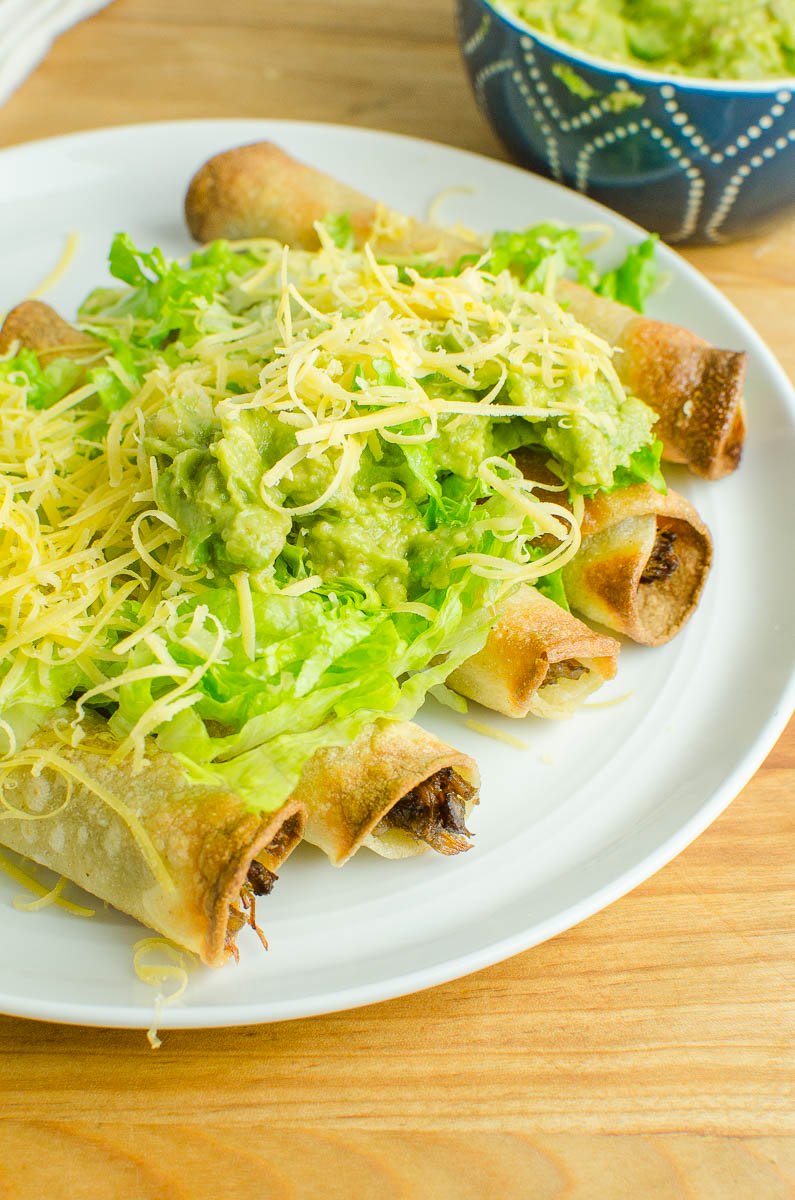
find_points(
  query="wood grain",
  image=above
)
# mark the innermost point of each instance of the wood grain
(150, 1163)
(648, 1053)
(352, 62)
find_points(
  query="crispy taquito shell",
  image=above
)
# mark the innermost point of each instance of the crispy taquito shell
(260, 191)
(538, 659)
(39, 327)
(349, 790)
(604, 581)
(205, 840)
(695, 389)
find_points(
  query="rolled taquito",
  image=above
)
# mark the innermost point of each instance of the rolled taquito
(396, 789)
(37, 326)
(183, 858)
(642, 563)
(538, 659)
(695, 389)
(260, 191)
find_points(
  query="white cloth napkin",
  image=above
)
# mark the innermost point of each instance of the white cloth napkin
(27, 30)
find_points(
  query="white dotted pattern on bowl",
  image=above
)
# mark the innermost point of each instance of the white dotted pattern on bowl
(682, 141)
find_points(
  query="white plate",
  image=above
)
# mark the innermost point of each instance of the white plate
(593, 806)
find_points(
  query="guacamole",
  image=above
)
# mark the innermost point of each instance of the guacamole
(714, 39)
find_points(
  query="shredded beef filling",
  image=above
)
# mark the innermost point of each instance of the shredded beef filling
(258, 882)
(261, 879)
(662, 560)
(567, 668)
(435, 812)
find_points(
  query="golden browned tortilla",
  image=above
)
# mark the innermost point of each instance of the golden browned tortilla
(538, 659)
(173, 854)
(353, 794)
(260, 191)
(37, 326)
(187, 860)
(642, 564)
(695, 389)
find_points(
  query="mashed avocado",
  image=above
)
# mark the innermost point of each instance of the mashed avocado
(716, 39)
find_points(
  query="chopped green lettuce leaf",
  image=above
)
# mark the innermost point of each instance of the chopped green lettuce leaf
(543, 249)
(553, 588)
(168, 296)
(643, 467)
(340, 230)
(45, 385)
(635, 279)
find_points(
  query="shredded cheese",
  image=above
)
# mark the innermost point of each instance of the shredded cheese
(609, 703)
(43, 901)
(246, 603)
(492, 321)
(46, 895)
(498, 735)
(173, 967)
(60, 269)
(436, 205)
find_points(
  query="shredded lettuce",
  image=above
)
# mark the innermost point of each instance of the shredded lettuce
(340, 230)
(547, 249)
(553, 588)
(46, 384)
(535, 254)
(382, 373)
(635, 279)
(643, 467)
(324, 670)
(539, 251)
(168, 297)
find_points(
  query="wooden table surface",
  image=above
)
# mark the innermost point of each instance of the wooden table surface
(647, 1053)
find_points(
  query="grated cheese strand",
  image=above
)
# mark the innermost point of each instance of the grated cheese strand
(497, 735)
(173, 966)
(60, 269)
(27, 881)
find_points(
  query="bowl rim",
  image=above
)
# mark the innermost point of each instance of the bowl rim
(693, 82)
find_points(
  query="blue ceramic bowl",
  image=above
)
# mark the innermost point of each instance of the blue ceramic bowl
(697, 160)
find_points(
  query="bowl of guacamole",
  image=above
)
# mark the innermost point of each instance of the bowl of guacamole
(710, 39)
(678, 113)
